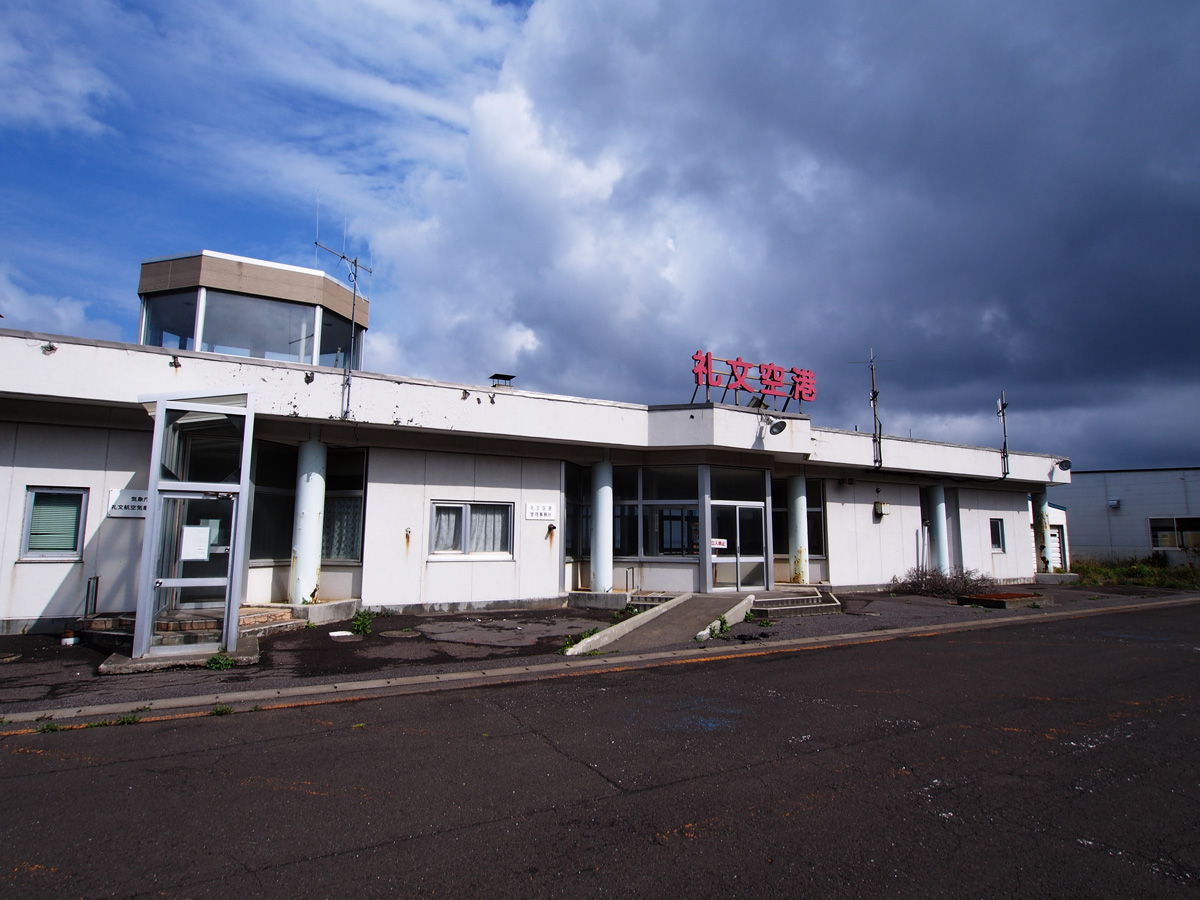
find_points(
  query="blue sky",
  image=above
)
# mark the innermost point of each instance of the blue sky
(990, 196)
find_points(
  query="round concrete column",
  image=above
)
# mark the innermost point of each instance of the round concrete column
(1041, 530)
(602, 526)
(797, 495)
(309, 523)
(937, 529)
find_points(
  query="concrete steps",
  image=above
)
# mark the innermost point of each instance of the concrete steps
(192, 626)
(796, 601)
(643, 602)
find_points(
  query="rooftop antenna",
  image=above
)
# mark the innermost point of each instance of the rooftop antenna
(877, 433)
(1001, 406)
(350, 359)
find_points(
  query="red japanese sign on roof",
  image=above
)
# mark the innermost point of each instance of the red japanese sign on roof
(762, 379)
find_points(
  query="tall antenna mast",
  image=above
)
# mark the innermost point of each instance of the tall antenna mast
(1001, 406)
(877, 431)
(348, 361)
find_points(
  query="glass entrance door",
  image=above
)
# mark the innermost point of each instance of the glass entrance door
(194, 550)
(739, 547)
(195, 564)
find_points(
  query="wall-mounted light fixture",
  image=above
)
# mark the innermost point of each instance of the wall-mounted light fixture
(1114, 504)
(175, 363)
(466, 394)
(776, 426)
(1064, 464)
(308, 377)
(49, 347)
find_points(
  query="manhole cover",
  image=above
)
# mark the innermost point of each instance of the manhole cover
(407, 633)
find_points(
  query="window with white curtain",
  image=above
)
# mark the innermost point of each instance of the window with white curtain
(345, 480)
(466, 528)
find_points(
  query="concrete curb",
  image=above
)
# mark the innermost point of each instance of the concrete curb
(732, 617)
(337, 692)
(612, 632)
(325, 611)
(246, 654)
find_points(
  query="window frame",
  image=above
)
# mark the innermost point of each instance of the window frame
(75, 554)
(814, 492)
(996, 528)
(1183, 538)
(360, 494)
(464, 551)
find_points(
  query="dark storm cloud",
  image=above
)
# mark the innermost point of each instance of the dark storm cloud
(992, 197)
(989, 196)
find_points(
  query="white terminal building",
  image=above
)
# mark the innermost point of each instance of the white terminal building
(239, 456)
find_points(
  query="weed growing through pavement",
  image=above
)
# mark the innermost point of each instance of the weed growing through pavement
(361, 623)
(127, 719)
(719, 628)
(1035, 605)
(625, 613)
(760, 621)
(220, 662)
(310, 624)
(221, 709)
(573, 639)
(48, 727)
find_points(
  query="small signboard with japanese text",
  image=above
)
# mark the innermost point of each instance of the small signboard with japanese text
(544, 511)
(718, 543)
(128, 504)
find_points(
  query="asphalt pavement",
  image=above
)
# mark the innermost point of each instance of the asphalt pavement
(1049, 757)
(406, 654)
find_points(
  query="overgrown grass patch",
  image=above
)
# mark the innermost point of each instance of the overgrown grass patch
(1148, 571)
(573, 639)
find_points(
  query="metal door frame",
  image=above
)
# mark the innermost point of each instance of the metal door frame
(234, 403)
(711, 559)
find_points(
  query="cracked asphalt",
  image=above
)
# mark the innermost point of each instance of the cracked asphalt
(48, 676)
(1050, 758)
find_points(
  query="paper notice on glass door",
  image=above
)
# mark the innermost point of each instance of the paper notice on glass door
(194, 545)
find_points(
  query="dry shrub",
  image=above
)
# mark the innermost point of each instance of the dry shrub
(936, 583)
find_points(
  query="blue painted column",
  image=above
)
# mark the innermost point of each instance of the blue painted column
(797, 495)
(602, 526)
